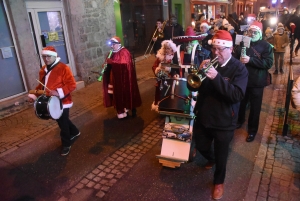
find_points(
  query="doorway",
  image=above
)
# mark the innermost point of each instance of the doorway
(48, 24)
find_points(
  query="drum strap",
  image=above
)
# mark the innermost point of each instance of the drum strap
(48, 71)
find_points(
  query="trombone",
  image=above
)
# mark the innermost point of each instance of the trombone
(157, 34)
(194, 80)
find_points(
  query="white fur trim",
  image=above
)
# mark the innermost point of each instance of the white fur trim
(170, 44)
(48, 52)
(255, 27)
(122, 115)
(110, 89)
(68, 105)
(224, 43)
(115, 40)
(60, 92)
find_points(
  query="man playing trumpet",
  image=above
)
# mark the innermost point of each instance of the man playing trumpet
(217, 107)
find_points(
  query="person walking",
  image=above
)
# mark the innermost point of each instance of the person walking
(58, 78)
(173, 29)
(120, 88)
(281, 40)
(258, 60)
(295, 21)
(217, 107)
(158, 38)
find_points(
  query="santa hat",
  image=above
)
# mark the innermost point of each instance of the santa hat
(115, 39)
(169, 43)
(204, 24)
(190, 31)
(50, 50)
(256, 25)
(222, 38)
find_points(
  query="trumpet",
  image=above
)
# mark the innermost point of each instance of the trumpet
(194, 80)
(159, 33)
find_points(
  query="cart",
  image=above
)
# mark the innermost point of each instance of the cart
(177, 105)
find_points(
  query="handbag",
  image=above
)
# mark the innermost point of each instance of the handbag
(269, 76)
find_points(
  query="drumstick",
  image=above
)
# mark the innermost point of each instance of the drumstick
(40, 92)
(43, 85)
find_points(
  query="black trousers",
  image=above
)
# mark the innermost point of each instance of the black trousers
(254, 96)
(219, 152)
(67, 128)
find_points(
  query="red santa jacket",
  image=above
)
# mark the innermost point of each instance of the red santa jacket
(61, 79)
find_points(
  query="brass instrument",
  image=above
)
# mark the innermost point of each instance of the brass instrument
(157, 34)
(194, 80)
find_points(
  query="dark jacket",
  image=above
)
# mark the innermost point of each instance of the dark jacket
(219, 99)
(296, 20)
(258, 67)
(172, 31)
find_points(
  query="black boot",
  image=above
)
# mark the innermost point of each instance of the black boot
(250, 137)
(133, 112)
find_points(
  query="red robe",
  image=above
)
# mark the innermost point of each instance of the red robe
(122, 75)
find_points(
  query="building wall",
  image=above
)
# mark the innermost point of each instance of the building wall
(91, 24)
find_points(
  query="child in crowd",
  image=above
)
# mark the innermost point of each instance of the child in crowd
(269, 36)
(281, 40)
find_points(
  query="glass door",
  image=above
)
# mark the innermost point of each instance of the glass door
(48, 27)
(11, 77)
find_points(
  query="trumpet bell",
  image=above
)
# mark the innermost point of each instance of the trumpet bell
(193, 81)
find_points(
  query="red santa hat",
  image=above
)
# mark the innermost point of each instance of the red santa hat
(257, 25)
(190, 31)
(50, 50)
(115, 39)
(222, 38)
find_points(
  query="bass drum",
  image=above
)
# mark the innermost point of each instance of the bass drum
(174, 96)
(48, 107)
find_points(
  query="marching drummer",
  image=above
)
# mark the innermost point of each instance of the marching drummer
(57, 80)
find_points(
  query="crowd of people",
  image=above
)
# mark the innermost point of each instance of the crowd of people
(238, 82)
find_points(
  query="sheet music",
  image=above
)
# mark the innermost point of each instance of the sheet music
(245, 39)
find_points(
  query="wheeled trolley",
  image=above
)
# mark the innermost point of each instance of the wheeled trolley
(177, 104)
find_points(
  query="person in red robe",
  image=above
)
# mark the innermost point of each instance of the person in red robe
(120, 88)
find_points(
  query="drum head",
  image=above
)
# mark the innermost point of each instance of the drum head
(54, 107)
